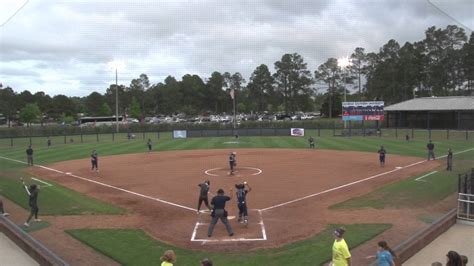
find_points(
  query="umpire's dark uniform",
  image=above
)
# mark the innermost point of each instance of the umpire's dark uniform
(219, 212)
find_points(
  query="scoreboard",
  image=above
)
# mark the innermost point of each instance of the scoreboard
(363, 111)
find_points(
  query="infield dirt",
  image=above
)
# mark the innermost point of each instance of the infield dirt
(285, 175)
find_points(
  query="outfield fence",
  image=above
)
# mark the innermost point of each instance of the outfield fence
(337, 130)
(466, 196)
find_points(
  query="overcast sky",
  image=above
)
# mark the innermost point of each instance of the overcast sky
(63, 47)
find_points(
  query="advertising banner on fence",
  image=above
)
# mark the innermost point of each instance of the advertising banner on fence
(179, 134)
(297, 132)
(362, 111)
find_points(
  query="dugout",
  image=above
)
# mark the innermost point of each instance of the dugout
(453, 112)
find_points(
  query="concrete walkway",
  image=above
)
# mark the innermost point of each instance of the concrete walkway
(459, 238)
(11, 254)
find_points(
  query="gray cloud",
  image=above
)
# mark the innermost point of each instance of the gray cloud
(63, 47)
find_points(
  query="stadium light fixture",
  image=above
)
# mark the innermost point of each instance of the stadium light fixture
(116, 65)
(344, 63)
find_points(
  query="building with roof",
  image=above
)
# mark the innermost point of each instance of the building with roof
(453, 112)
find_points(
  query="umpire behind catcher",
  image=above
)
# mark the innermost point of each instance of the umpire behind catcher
(219, 212)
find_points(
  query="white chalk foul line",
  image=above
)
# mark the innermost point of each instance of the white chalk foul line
(355, 182)
(41, 181)
(105, 185)
(421, 177)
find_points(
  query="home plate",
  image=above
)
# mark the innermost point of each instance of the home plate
(398, 167)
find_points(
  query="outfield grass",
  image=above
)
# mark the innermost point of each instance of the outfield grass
(52, 200)
(63, 152)
(134, 247)
(410, 193)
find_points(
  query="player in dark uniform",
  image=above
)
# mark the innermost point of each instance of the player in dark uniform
(232, 162)
(32, 192)
(450, 160)
(311, 142)
(242, 202)
(149, 143)
(430, 146)
(95, 161)
(29, 155)
(49, 142)
(382, 153)
(203, 195)
(219, 212)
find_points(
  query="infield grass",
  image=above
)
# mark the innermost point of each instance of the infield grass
(134, 247)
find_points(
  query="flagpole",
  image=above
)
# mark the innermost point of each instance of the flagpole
(233, 101)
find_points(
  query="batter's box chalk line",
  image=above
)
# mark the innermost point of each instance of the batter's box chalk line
(239, 239)
(209, 171)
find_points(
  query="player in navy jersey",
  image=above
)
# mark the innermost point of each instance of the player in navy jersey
(242, 191)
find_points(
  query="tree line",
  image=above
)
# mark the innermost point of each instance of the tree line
(441, 64)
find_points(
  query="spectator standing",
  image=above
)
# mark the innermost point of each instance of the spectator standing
(385, 255)
(340, 251)
(168, 258)
(453, 259)
(206, 262)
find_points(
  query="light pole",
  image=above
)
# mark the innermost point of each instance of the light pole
(116, 65)
(116, 101)
(344, 63)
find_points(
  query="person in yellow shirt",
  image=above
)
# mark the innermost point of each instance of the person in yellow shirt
(168, 258)
(340, 251)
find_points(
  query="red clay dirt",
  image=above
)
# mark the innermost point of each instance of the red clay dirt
(285, 175)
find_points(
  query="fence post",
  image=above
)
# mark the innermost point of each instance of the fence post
(81, 137)
(97, 136)
(158, 134)
(113, 136)
(11, 142)
(334, 128)
(363, 128)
